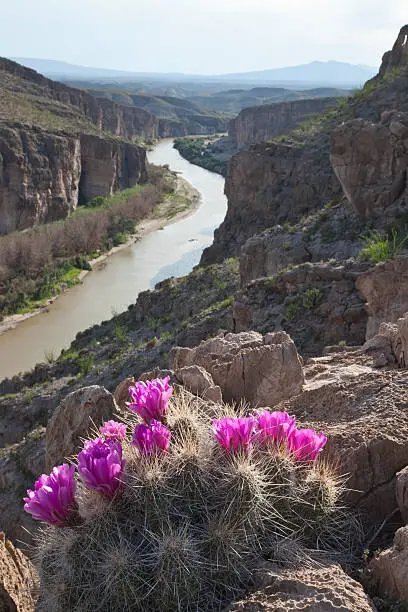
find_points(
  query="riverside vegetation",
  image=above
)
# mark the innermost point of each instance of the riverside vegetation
(37, 264)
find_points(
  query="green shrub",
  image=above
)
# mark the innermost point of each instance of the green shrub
(378, 247)
(312, 298)
(292, 309)
(189, 528)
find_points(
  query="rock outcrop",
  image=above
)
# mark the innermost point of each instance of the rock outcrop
(261, 123)
(77, 414)
(390, 567)
(17, 579)
(370, 161)
(269, 185)
(323, 588)
(397, 58)
(385, 288)
(363, 412)
(247, 366)
(316, 303)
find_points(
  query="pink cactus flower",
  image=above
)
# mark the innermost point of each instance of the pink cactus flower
(100, 466)
(234, 435)
(112, 430)
(151, 399)
(274, 426)
(53, 500)
(153, 439)
(306, 444)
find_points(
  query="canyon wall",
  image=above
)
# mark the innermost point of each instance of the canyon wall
(261, 123)
(121, 121)
(271, 184)
(43, 174)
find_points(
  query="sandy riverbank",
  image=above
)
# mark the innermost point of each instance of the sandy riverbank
(184, 202)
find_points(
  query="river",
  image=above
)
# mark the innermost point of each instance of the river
(173, 251)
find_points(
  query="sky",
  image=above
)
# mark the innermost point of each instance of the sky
(200, 36)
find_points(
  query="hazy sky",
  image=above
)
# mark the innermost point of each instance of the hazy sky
(200, 36)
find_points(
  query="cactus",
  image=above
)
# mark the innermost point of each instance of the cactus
(186, 528)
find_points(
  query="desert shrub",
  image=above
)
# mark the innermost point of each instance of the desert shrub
(184, 522)
(378, 247)
(312, 298)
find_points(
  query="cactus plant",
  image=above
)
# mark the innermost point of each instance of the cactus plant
(189, 523)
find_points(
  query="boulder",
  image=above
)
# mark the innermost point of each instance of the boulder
(401, 492)
(198, 381)
(17, 579)
(313, 589)
(363, 412)
(248, 366)
(385, 290)
(72, 421)
(390, 567)
(121, 394)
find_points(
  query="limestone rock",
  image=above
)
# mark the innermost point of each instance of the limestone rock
(363, 412)
(73, 419)
(17, 578)
(315, 589)
(390, 567)
(370, 161)
(401, 492)
(247, 366)
(199, 382)
(385, 289)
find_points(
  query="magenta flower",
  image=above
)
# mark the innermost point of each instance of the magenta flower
(274, 426)
(100, 466)
(234, 434)
(306, 444)
(151, 399)
(112, 430)
(152, 439)
(53, 500)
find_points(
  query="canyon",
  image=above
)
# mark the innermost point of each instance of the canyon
(290, 307)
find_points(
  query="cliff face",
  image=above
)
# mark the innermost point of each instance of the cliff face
(261, 123)
(108, 166)
(39, 177)
(371, 160)
(42, 175)
(56, 145)
(271, 184)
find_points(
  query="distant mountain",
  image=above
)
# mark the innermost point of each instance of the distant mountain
(331, 73)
